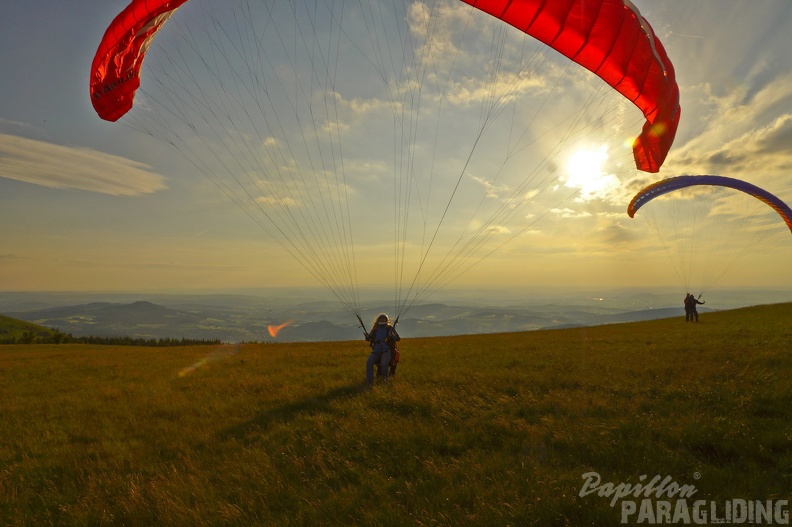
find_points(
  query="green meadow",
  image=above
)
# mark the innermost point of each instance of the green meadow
(474, 430)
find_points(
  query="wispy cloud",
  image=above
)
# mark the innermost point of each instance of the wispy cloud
(441, 32)
(570, 213)
(57, 166)
(492, 189)
(273, 201)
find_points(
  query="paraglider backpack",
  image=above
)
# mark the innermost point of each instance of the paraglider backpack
(394, 349)
(394, 359)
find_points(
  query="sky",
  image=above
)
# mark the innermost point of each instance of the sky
(90, 205)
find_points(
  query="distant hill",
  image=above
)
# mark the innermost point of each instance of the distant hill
(314, 321)
(142, 319)
(13, 330)
(105, 313)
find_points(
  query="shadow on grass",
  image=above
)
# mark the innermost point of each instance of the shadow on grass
(286, 413)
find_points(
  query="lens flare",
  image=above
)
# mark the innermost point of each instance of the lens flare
(223, 352)
(274, 330)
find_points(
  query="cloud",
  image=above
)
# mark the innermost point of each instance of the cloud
(775, 138)
(570, 213)
(454, 37)
(760, 149)
(493, 190)
(56, 166)
(498, 229)
(612, 234)
(270, 141)
(741, 132)
(273, 201)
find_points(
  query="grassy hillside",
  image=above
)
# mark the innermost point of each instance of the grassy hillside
(475, 430)
(13, 330)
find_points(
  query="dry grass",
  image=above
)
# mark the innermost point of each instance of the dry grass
(475, 430)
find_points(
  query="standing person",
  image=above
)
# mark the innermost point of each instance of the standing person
(693, 302)
(382, 338)
(688, 308)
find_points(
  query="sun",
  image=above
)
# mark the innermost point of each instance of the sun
(586, 170)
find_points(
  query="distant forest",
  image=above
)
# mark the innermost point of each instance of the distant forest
(56, 337)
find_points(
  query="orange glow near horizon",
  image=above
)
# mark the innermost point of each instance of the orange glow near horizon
(274, 330)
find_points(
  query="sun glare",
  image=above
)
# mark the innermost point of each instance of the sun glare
(585, 170)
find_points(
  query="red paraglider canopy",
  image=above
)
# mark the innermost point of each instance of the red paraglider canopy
(115, 71)
(608, 37)
(613, 40)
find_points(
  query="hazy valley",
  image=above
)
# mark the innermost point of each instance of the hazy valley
(307, 316)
